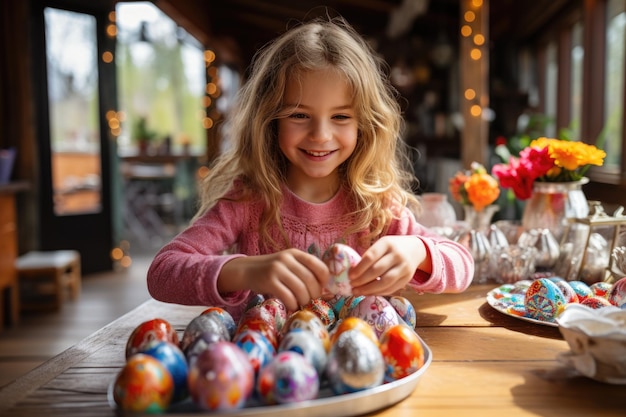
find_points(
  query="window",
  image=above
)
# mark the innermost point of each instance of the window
(614, 84)
(161, 81)
(576, 81)
(72, 60)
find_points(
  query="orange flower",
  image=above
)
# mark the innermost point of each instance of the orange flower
(475, 187)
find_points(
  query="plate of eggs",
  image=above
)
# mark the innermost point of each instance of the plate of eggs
(543, 300)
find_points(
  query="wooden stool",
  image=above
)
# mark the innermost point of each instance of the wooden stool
(44, 277)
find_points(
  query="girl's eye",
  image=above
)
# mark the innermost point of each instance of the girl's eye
(297, 116)
(341, 117)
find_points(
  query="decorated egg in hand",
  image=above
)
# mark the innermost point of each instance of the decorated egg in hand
(288, 378)
(175, 362)
(402, 351)
(340, 258)
(143, 385)
(221, 378)
(149, 333)
(355, 363)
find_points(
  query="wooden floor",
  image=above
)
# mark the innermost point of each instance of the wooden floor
(40, 336)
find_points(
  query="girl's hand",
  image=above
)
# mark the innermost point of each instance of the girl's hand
(388, 265)
(293, 276)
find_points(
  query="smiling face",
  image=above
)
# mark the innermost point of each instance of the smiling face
(317, 132)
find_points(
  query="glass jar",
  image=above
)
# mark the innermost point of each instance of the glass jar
(436, 211)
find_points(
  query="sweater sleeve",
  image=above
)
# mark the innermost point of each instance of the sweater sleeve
(185, 270)
(452, 263)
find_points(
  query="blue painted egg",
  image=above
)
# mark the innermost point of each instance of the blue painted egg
(175, 362)
(256, 346)
(308, 345)
(544, 300)
(405, 309)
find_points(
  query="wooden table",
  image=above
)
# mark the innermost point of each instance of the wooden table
(484, 364)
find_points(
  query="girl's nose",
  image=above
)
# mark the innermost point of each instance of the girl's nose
(321, 131)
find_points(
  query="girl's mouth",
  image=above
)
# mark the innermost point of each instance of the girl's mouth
(317, 153)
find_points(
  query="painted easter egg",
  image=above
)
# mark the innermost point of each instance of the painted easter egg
(601, 289)
(324, 310)
(582, 290)
(200, 343)
(617, 295)
(256, 346)
(544, 300)
(175, 362)
(596, 302)
(143, 385)
(221, 378)
(288, 378)
(355, 363)
(307, 320)
(148, 333)
(340, 258)
(306, 344)
(353, 323)
(224, 316)
(568, 292)
(204, 323)
(267, 329)
(377, 312)
(405, 309)
(348, 305)
(402, 352)
(278, 310)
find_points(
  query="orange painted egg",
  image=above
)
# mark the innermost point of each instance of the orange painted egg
(596, 302)
(353, 323)
(402, 352)
(143, 385)
(601, 289)
(150, 333)
(323, 310)
(307, 320)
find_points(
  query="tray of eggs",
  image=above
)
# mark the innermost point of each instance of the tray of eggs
(544, 299)
(342, 356)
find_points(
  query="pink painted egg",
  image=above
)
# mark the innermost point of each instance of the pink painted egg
(402, 351)
(288, 378)
(617, 296)
(340, 258)
(568, 292)
(306, 344)
(278, 310)
(221, 378)
(143, 385)
(544, 300)
(256, 346)
(307, 320)
(405, 309)
(377, 312)
(148, 333)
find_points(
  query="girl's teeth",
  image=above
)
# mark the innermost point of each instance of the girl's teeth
(317, 153)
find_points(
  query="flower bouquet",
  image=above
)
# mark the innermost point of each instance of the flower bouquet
(547, 160)
(474, 187)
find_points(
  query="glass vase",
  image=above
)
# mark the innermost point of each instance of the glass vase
(479, 220)
(436, 210)
(552, 203)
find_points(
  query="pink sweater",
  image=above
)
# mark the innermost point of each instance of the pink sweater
(185, 270)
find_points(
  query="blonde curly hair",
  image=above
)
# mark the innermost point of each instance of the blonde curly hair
(378, 174)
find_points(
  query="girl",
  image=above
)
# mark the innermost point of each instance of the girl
(316, 158)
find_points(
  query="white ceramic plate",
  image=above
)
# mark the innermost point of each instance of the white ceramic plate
(502, 304)
(327, 404)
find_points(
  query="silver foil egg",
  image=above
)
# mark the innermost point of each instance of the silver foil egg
(355, 363)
